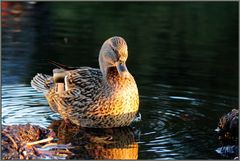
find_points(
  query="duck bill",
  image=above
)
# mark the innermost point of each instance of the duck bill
(122, 69)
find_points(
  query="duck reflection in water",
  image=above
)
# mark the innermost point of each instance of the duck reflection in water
(94, 143)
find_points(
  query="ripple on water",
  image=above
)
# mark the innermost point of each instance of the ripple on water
(171, 122)
(176, 119)
(22, 104)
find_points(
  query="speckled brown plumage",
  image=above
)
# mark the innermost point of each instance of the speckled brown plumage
(90, 97)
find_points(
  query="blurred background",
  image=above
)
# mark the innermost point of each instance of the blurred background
(183, 55)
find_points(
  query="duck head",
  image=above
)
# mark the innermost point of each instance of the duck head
(114, 53)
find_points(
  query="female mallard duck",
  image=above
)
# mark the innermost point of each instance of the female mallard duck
(90, 97)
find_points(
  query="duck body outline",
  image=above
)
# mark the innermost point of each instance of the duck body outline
(90, 97)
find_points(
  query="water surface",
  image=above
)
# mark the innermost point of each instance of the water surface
(184, 57)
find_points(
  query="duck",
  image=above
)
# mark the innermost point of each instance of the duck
(104, 97)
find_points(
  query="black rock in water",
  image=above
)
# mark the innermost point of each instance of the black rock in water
(228, 131)
(228, 125)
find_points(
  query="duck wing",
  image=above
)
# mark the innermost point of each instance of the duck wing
(83, 86)
(85, 78)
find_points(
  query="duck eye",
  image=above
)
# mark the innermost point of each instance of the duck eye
(114, 50)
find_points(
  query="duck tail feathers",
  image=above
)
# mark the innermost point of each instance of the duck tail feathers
(42, 82)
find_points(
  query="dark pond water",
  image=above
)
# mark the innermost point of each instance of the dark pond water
(184, 57)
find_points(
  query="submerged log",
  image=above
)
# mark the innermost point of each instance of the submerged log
(31, 142)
